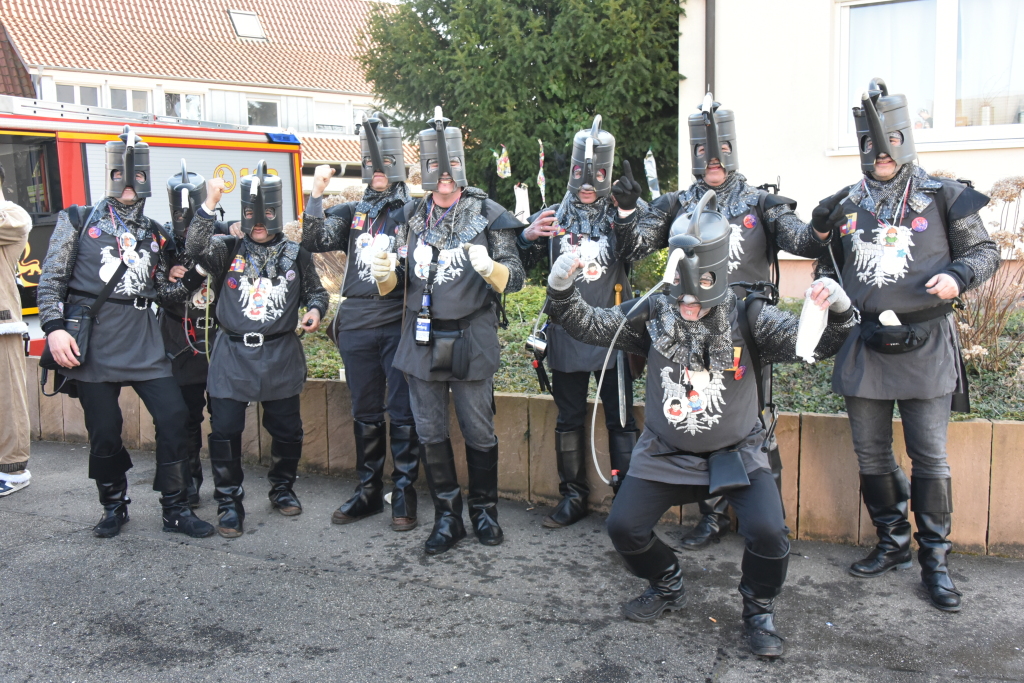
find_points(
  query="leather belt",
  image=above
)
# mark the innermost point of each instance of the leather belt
(140, 303)
(915, 317)
(253, 339)
(201, 323)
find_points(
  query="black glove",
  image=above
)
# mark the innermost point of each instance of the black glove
(626, 190)
(828, 213)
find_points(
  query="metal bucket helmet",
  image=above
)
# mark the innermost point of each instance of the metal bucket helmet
(441, 153)
(699, 254)
(710, 130)
(185, 192)
(261, 200)
(883, 127)
(593, 153)
(381, 147)
(128, 159)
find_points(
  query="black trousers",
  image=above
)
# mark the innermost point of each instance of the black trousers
(195, 400)
(103, 420)
(281, 418)
(569, 389)
(641, 503)
(375, 384)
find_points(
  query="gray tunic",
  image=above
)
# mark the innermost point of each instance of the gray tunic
(125, 344)
(695, 403)
(458, 290)
(259, 298)
(885, 265)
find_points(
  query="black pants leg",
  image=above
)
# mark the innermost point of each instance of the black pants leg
(195, 400)
(108, 458)
(569, 390)
(162, 398)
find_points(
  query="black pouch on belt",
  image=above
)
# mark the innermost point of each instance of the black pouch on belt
(450, 349)
(900, 338)
(726, 472)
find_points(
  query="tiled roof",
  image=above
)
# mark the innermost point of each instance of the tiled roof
(310, 43)
(14, 78)
(343, 150)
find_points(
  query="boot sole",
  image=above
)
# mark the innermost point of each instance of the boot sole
(288, 511)
(172, 530)
(337, 518)
(229, 533)
(896, 567)
(110, 535)
(673, 606)
(441, 551)
(549, 523)
(404, 527)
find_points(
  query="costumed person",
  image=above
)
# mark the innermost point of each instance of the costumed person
(262, 281)
(761, 225)
(187, 316)
(460, 254)
(708, 432)
(91, 248)
(597, 222)
(15, 434)
(368, 326)
(906, 245)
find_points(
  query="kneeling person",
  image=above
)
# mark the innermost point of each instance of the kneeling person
(699, 340)
(264, 278)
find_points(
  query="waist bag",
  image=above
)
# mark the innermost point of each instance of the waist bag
(892, 339)
(451, 346)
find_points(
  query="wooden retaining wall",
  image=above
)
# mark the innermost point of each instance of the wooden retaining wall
(821, 489)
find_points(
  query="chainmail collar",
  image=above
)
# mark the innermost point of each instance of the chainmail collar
(883, 197)
(695, 344)
(373, 201)
(734, 196)
(132, 214)
(464, 222)
(585, 219)
(265, 260)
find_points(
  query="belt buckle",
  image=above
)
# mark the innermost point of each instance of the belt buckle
(145, 303)
(203, 323)
(257, 344)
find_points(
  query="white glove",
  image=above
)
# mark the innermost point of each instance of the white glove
(380, 266)
(563, 273)
(481, 260)
(838, 300)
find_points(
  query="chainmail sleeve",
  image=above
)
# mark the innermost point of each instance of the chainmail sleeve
(204, 247)
(792, 234)
(532, 253)
(163, 286)
(313, 294)
(322, 233)
(504, 251)
(172, 293)
(644, 232)
(594, 326)
(775, 334)
(401, 240)
(971, 246)
(57, 269)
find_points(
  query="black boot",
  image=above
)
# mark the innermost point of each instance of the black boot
(195, 465)
(620, 451)
(760, 584)
(885, 497)
(483, 494)
(109, 474)
(439, 466)
(932, 502)
(714, 523)
(226, 464)
(371, 448)
(284, 463)
(406, 452)
(659, 565)
(172, 482)
(114, 499)
(572, 476)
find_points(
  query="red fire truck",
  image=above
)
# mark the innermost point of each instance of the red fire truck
(52, 154)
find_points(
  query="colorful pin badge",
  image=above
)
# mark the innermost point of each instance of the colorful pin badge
(359, 221)
(740, 371)
(232, 283)
(94, 232)
(750, 221)
(238, 266)
(290, 275)
(851, 225)
(919, 224)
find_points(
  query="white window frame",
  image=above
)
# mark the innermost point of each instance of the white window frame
(182, 93)
(269, 100)
(240, 13)
(78, 92)
(129, 89)
(945, 135)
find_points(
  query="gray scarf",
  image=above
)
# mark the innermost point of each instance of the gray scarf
(373, 201)
(734, 196)
(704, 344)
(461, 224)
(587, 219)
(884, 198)
(266, 257)
(132, 215)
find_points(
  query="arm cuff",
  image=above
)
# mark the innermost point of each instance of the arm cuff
(315, 206)
(203, 213)
(498, 279)
(559, 294)
(385, 287)
(52, 325)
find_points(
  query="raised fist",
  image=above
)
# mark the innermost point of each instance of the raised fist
(321, 178)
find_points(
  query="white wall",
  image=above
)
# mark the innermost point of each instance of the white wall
(776, 67)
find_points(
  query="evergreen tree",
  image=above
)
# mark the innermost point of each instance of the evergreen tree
(512, 71)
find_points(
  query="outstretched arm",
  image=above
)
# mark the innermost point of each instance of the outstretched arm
(202, 245)
(775, 330)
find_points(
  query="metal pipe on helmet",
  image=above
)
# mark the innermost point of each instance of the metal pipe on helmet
(712, 147)
(129, 157)
(439, 123)
(878, 134)
(373, 142)
(259, 205)
(588, 155)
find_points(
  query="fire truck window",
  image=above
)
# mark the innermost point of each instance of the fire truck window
(32, 178)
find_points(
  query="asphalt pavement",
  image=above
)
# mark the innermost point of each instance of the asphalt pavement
(300, 599)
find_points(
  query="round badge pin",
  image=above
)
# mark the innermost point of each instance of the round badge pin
(402, 251)
(749, 222)
(232, 283)
(421, 270)
(290, 275)
(363, 241)
(154, 247)
(130, 257)
(127, 241)
(919, 224)
(422, 254)
(95, 232)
